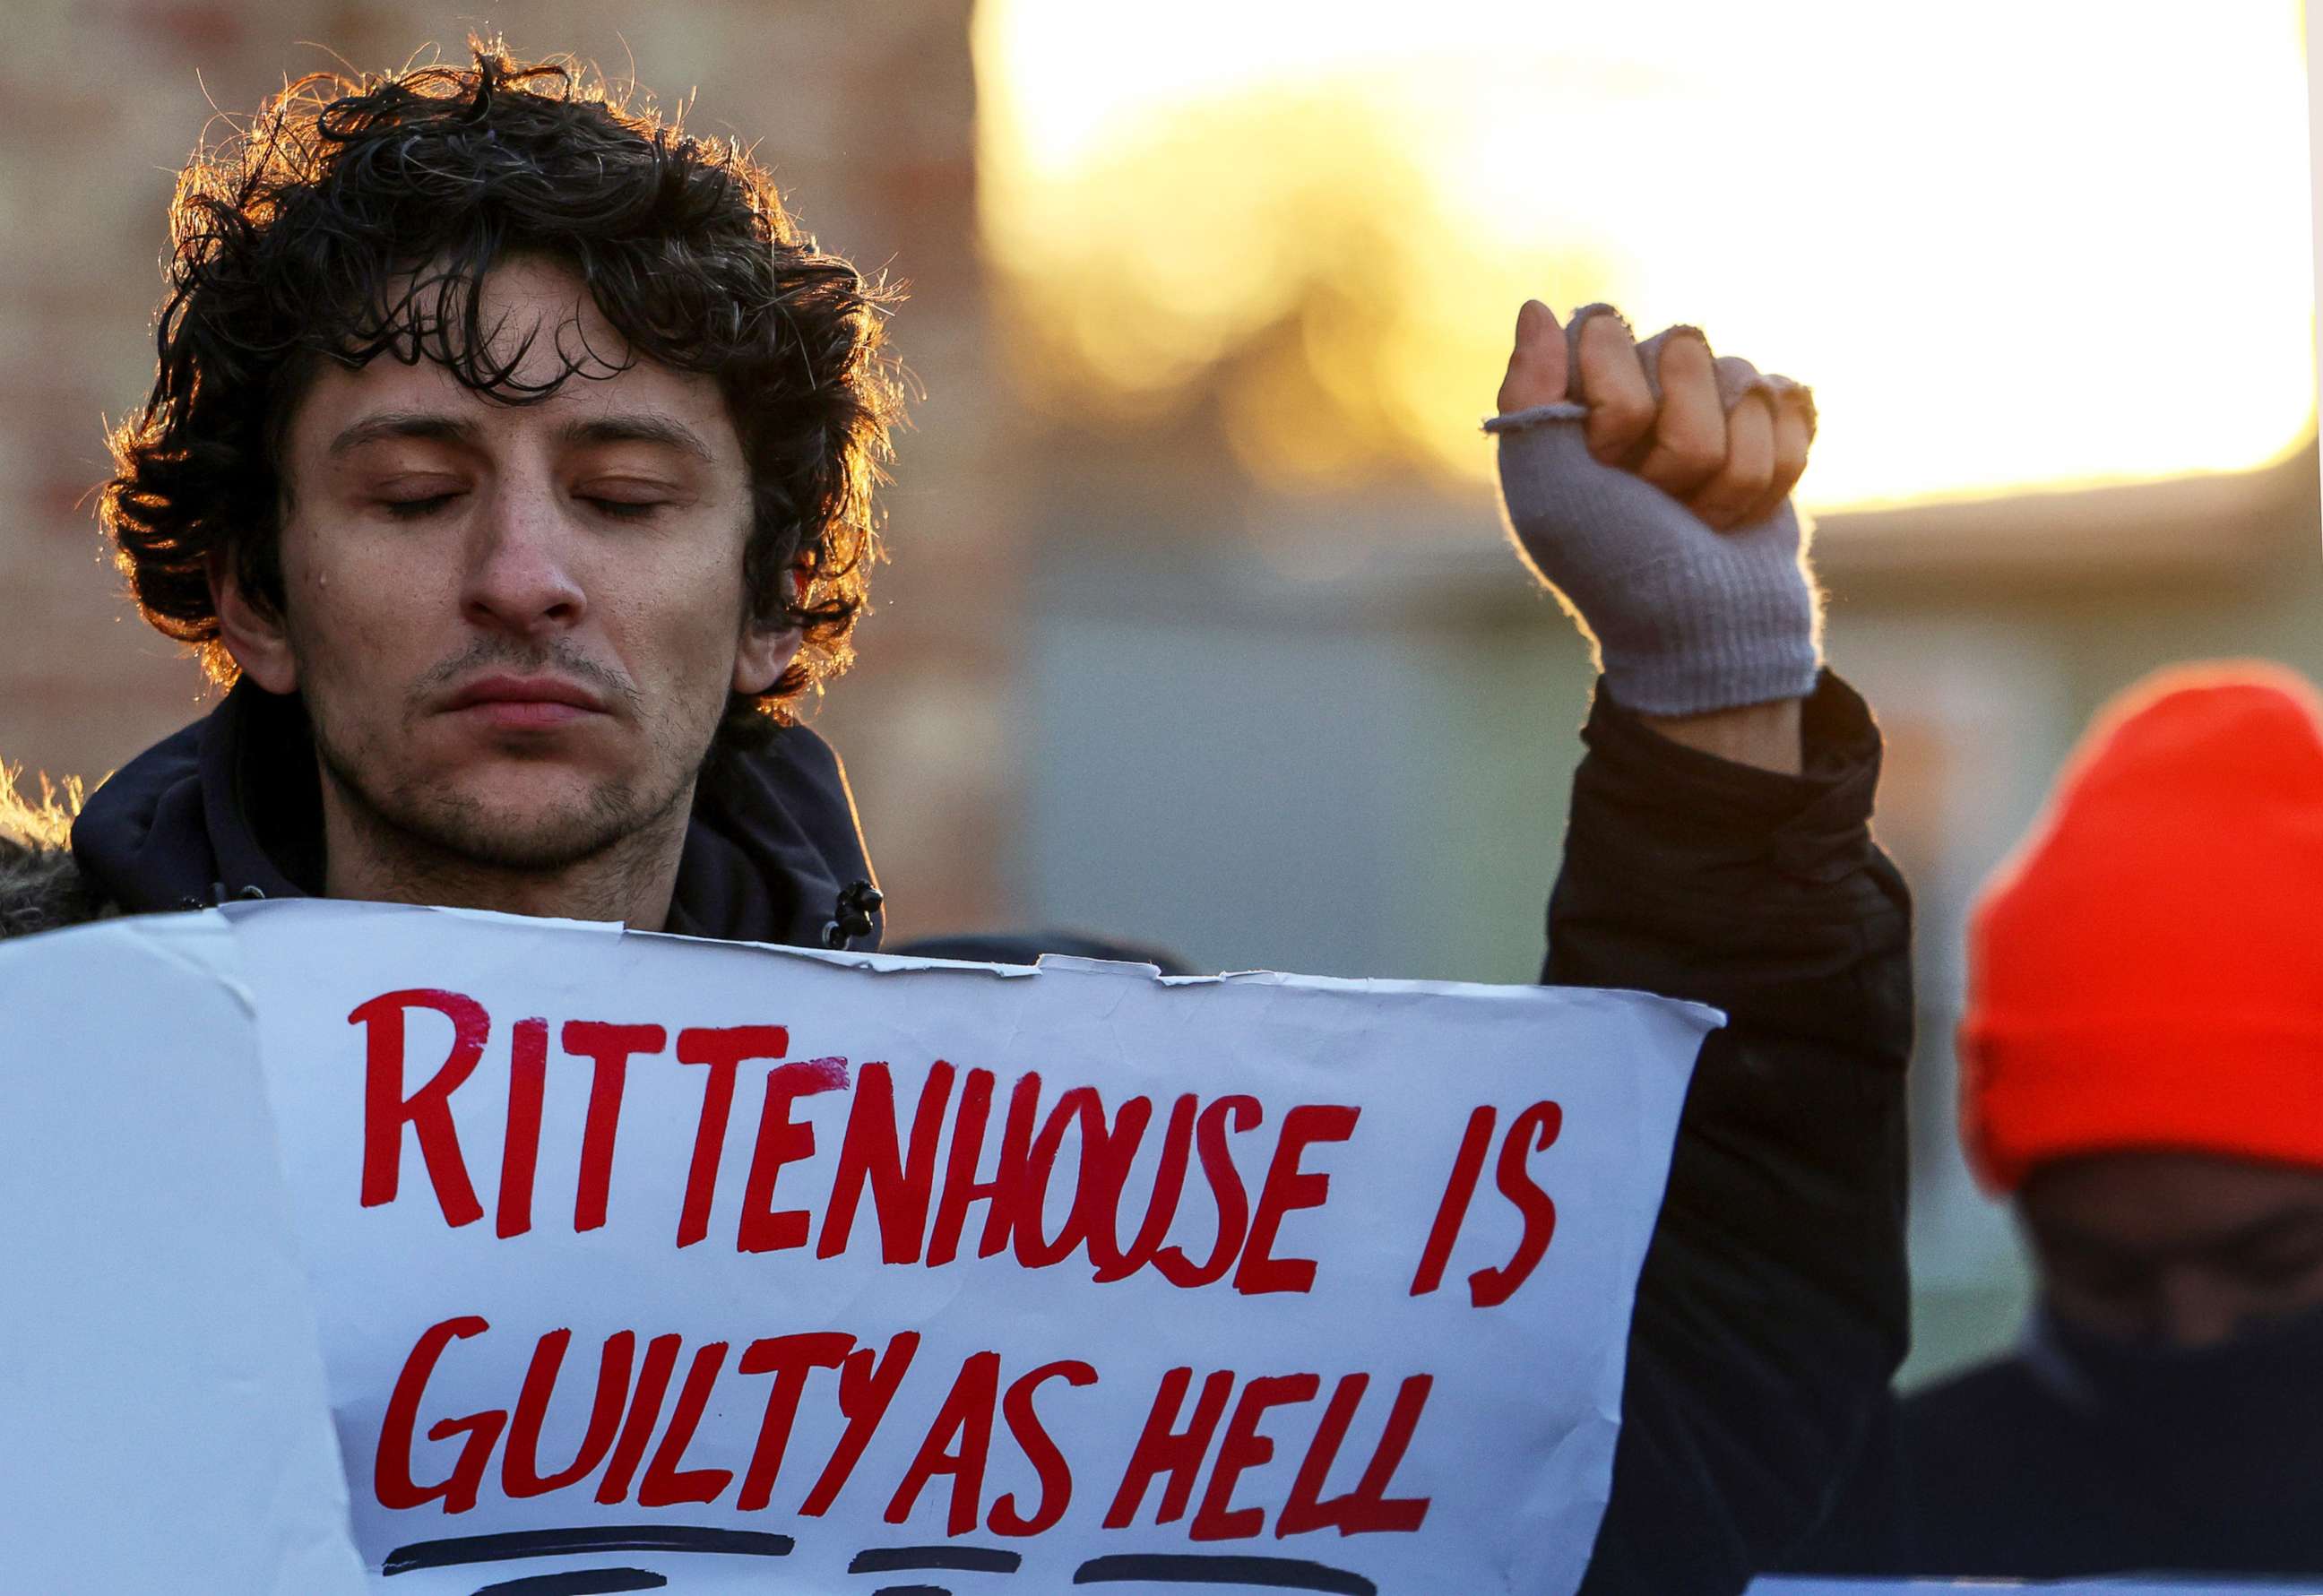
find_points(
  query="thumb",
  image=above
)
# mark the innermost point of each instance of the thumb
(1538, 363)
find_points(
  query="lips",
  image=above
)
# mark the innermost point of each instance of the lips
(523, 702)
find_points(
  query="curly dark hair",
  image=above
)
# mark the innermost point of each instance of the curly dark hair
(357, 218)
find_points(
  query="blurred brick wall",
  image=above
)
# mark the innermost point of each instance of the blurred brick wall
(865, 113)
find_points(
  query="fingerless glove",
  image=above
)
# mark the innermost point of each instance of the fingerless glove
(1684, 618)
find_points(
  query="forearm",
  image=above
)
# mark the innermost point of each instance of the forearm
(1771, 1310)
(1718, 849)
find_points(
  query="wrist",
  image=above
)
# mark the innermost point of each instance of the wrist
(1766, 735)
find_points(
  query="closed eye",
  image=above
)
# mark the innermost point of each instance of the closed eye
(413, 509)
(2101, 1274)
(626, 510)
(2279, 1261)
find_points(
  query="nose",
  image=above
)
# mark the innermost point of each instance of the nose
(2195, 1309)
(520, 578)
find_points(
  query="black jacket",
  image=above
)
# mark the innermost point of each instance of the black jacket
(227, 808)
(2071, 1457)
(1773, 1305)
(1771, 1310)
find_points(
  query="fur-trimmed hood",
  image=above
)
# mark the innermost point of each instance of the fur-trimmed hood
(41, 886)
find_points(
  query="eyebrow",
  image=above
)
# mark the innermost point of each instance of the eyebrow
(435, 426)
(402, 424)
(2259, 1232)
(639, 429)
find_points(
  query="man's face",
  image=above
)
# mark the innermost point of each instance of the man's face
(515, 627)
(2184, 1249)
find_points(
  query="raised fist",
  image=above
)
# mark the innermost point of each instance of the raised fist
(1649, 486)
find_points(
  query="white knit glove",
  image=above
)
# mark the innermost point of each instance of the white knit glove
(1686, 619)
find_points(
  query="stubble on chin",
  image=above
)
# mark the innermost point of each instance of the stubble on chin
(425, 828)
(409, 827)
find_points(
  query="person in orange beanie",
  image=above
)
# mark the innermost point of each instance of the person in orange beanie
(2143, 1078)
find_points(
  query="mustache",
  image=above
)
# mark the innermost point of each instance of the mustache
(518, 656)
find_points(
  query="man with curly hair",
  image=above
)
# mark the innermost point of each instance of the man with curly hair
(511, 456)
(507, 453)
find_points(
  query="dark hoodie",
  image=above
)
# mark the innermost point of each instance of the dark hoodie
(772, 843)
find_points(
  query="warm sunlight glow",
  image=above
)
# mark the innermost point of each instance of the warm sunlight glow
(2012, 243)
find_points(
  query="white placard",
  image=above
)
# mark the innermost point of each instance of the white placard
(162, 1418)
(739, 1268)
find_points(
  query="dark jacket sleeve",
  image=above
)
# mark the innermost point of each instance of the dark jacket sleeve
(1772, 1308)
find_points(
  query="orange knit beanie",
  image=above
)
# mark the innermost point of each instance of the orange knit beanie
(2146, 971)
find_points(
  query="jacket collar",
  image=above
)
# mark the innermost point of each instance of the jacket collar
(229, 807)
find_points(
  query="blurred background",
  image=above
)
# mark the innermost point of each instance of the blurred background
(1200, 628)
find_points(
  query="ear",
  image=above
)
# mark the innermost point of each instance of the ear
(252, 632)
(763, 657)
(765, 654)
